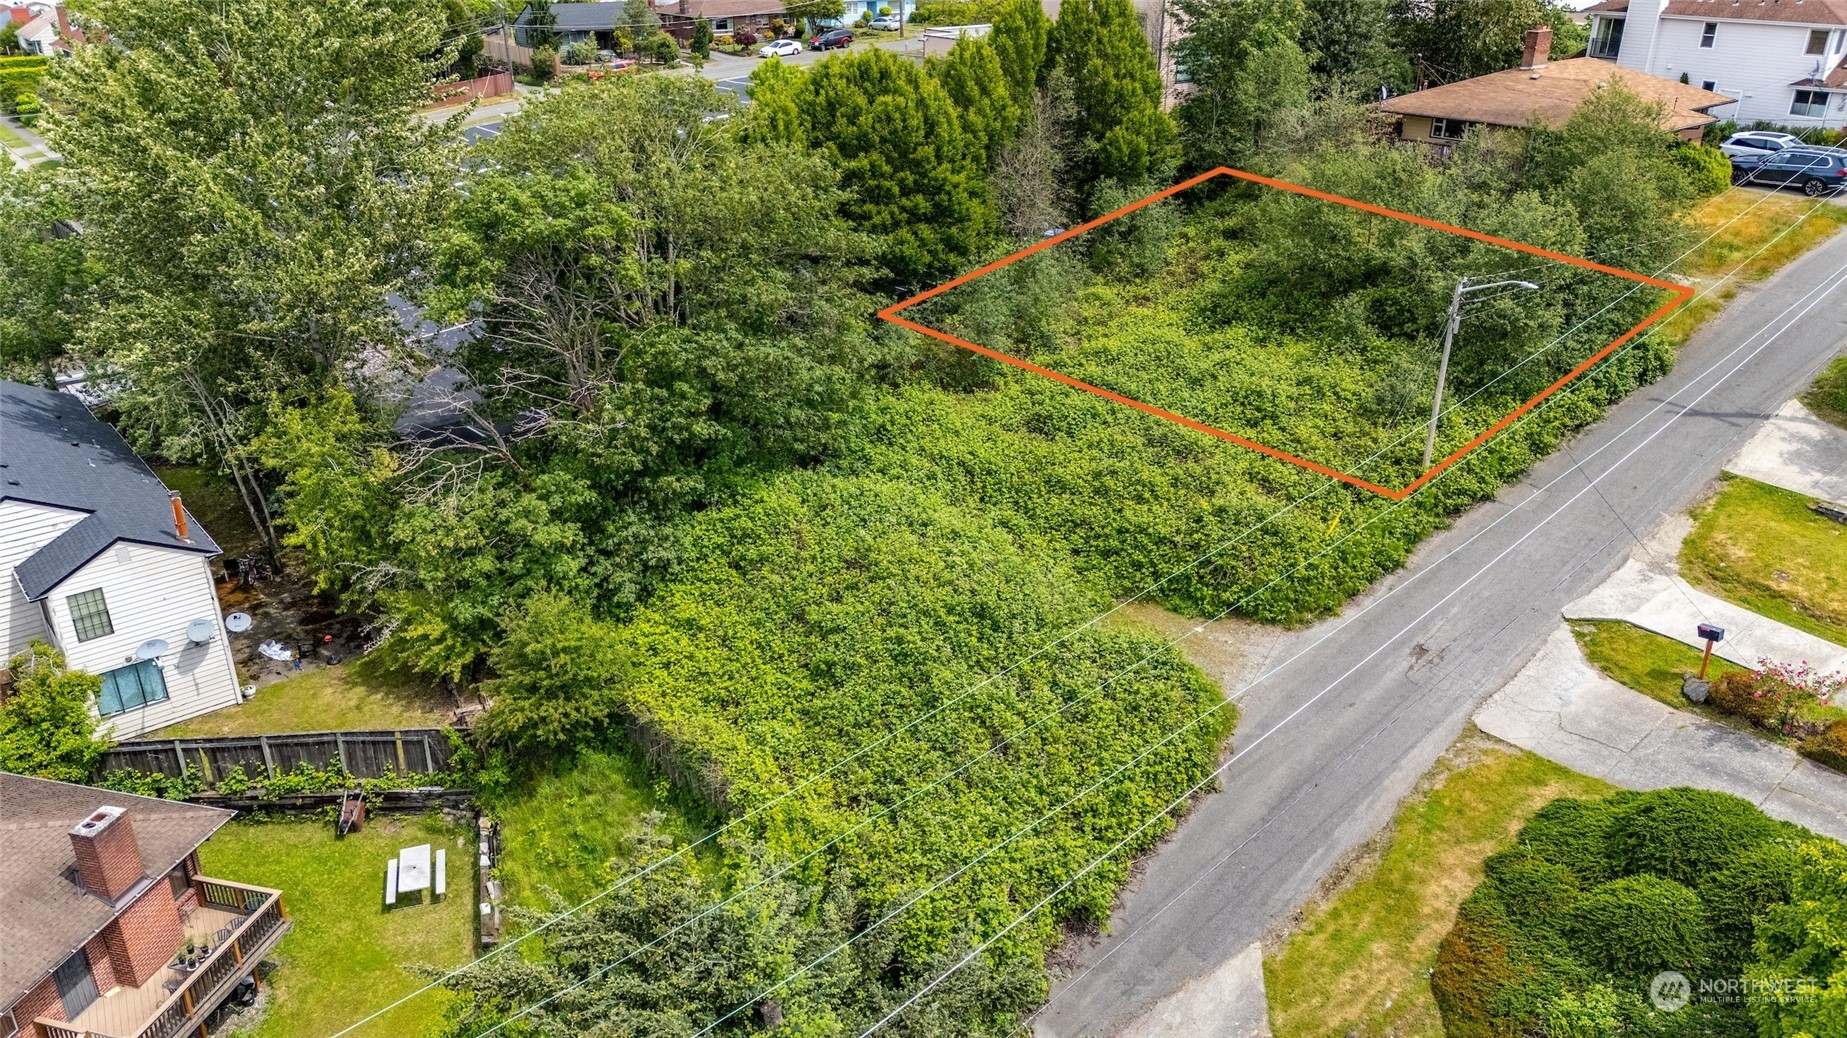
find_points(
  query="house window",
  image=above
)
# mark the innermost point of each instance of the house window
(1449, 129)
(721, 25)
(1812, 104)
(90, 615)
(1709, 85)
(1607, 41)
(1708, 34)
(1818, 41)
(126, 688)
(8, 1025)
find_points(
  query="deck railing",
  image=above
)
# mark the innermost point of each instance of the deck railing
(205, 988)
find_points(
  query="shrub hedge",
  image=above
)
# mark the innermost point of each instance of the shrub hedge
(1598, 896)
(1829, 747)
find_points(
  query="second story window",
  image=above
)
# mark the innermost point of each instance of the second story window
(1708, 34)
(90, 615)
(1818, 41)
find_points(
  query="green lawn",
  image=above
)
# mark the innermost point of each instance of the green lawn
(347, 955)
(338, 698)
(9, 138)
(1359, 963)
(1654, 664)
(1761, 547)
(563, 825)
(213, 501)
(1828, 396)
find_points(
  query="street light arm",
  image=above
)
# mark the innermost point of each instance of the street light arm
(1497, 284)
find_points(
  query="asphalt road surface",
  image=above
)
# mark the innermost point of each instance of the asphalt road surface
(1356, 708)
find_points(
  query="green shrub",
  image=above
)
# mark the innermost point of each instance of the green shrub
(544, 64)
(1540, 949)
(1637, 926)
(1708, 170)
(1575, 834)
(1829, 746)
(583, 52)
(662, 48)
(1735, 693)
(1684, 834)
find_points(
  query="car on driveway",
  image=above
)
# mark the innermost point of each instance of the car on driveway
(780, 49)
(1817, 171)
(831, 40)
(886, 23)
(1754, 146)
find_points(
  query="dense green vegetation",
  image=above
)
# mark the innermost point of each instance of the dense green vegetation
(1828, 396)
(46, 728)
(1571, 925)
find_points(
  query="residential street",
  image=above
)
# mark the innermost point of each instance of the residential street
(1352, 711)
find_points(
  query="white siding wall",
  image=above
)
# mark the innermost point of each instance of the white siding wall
(1755, 62)
(24, 529)
(151, 592)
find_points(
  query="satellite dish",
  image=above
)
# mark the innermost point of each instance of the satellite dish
(237, 623)
(153, 648)
(199, 632)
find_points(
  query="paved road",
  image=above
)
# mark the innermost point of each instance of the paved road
(1333, 740)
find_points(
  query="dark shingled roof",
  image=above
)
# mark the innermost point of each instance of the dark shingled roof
(44, 914)
(579, 17)
(54, 452)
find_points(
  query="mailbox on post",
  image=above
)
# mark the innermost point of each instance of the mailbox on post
(1711, 634)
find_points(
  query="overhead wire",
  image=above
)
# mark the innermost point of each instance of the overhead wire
(909, 797)
(934, 711)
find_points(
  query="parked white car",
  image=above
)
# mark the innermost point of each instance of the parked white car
(780, 49)
(886, 22)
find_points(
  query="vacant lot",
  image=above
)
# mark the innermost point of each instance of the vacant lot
(1761, 547)
(347, 955)
(1359, 964)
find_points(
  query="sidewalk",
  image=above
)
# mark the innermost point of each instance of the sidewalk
(1563, 709)
(1797, 451)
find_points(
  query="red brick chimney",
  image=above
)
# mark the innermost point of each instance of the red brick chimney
(1538, 48)
(108, 858)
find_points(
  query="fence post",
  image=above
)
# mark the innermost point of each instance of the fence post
(179, 755)
(397, 739)
(339, 752)
(429, 763)
(269, 762)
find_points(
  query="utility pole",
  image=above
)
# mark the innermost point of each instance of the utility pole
(1463, 288)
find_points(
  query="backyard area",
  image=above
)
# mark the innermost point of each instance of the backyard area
(347, 955)
(1763, 548)
(1359, 963)
(565, 828)
(344, 697)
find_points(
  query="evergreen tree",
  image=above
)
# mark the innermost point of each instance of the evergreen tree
(973, 78)
(702, 39)
(1019, 39)
(639, 17)
(912, 174)
(1117, 89)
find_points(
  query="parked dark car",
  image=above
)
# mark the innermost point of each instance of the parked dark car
(831, 39)
(1817, 171)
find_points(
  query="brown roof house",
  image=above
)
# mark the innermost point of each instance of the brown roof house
(100, 899)
(1543, 93)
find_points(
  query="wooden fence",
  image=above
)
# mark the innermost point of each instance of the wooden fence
(371, 754)
(493, 84)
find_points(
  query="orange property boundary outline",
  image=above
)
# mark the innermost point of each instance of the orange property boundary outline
(1682, 293)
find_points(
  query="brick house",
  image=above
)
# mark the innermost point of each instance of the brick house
(100, 893)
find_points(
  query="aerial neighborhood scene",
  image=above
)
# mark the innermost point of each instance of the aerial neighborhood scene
(925, 518)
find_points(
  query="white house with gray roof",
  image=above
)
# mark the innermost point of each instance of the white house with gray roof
(1785, 61)
(101, 561)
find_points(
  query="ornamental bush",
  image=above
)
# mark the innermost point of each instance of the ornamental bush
(1708, 170)
(1569, 927)
(1829, 748)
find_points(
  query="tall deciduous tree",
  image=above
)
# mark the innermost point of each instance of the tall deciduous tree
(973, 77)
(1116, 87)
(43, 277)
(46, 727)
(253, 179)
(1245, 66)
(1019, 39)
(1350, 46)
(1450, 40)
